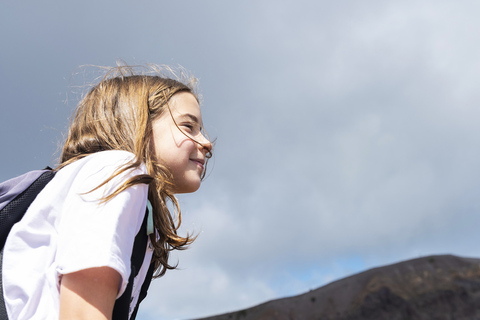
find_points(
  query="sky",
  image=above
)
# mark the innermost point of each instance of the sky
(347, 132)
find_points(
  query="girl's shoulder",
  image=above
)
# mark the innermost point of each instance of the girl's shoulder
(100, 166)
(112, 159)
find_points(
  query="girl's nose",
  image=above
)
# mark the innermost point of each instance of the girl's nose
(205, 143)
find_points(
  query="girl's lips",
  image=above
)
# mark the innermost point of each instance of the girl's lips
(199, 162)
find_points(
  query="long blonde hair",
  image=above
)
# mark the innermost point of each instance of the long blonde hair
(117, 114)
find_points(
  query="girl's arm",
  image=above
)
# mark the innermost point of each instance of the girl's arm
(89, 294)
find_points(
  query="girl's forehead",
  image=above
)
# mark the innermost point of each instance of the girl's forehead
(184, 104)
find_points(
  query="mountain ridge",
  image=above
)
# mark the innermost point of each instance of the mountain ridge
(433, 287)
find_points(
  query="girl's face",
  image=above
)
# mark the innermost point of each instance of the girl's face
(176, 149)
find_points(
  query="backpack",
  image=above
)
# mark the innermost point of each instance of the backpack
(18, 193)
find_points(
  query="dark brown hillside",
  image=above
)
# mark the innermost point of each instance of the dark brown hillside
(435, 287)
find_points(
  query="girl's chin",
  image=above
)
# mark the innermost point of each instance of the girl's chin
(188, 187)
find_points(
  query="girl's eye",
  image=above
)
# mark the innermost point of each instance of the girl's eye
(188, 127)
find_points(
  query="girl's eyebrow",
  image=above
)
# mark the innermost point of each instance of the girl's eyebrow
(192, 117)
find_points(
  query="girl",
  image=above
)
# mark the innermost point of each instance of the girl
(134, 138)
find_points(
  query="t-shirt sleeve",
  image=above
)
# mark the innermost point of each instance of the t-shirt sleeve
(96, 234)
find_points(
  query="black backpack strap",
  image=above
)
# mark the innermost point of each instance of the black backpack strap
(11, 214)
(144, 289)
(121, 309)
(16, 208)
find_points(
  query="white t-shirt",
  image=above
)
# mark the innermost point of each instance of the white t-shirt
(66, 229)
